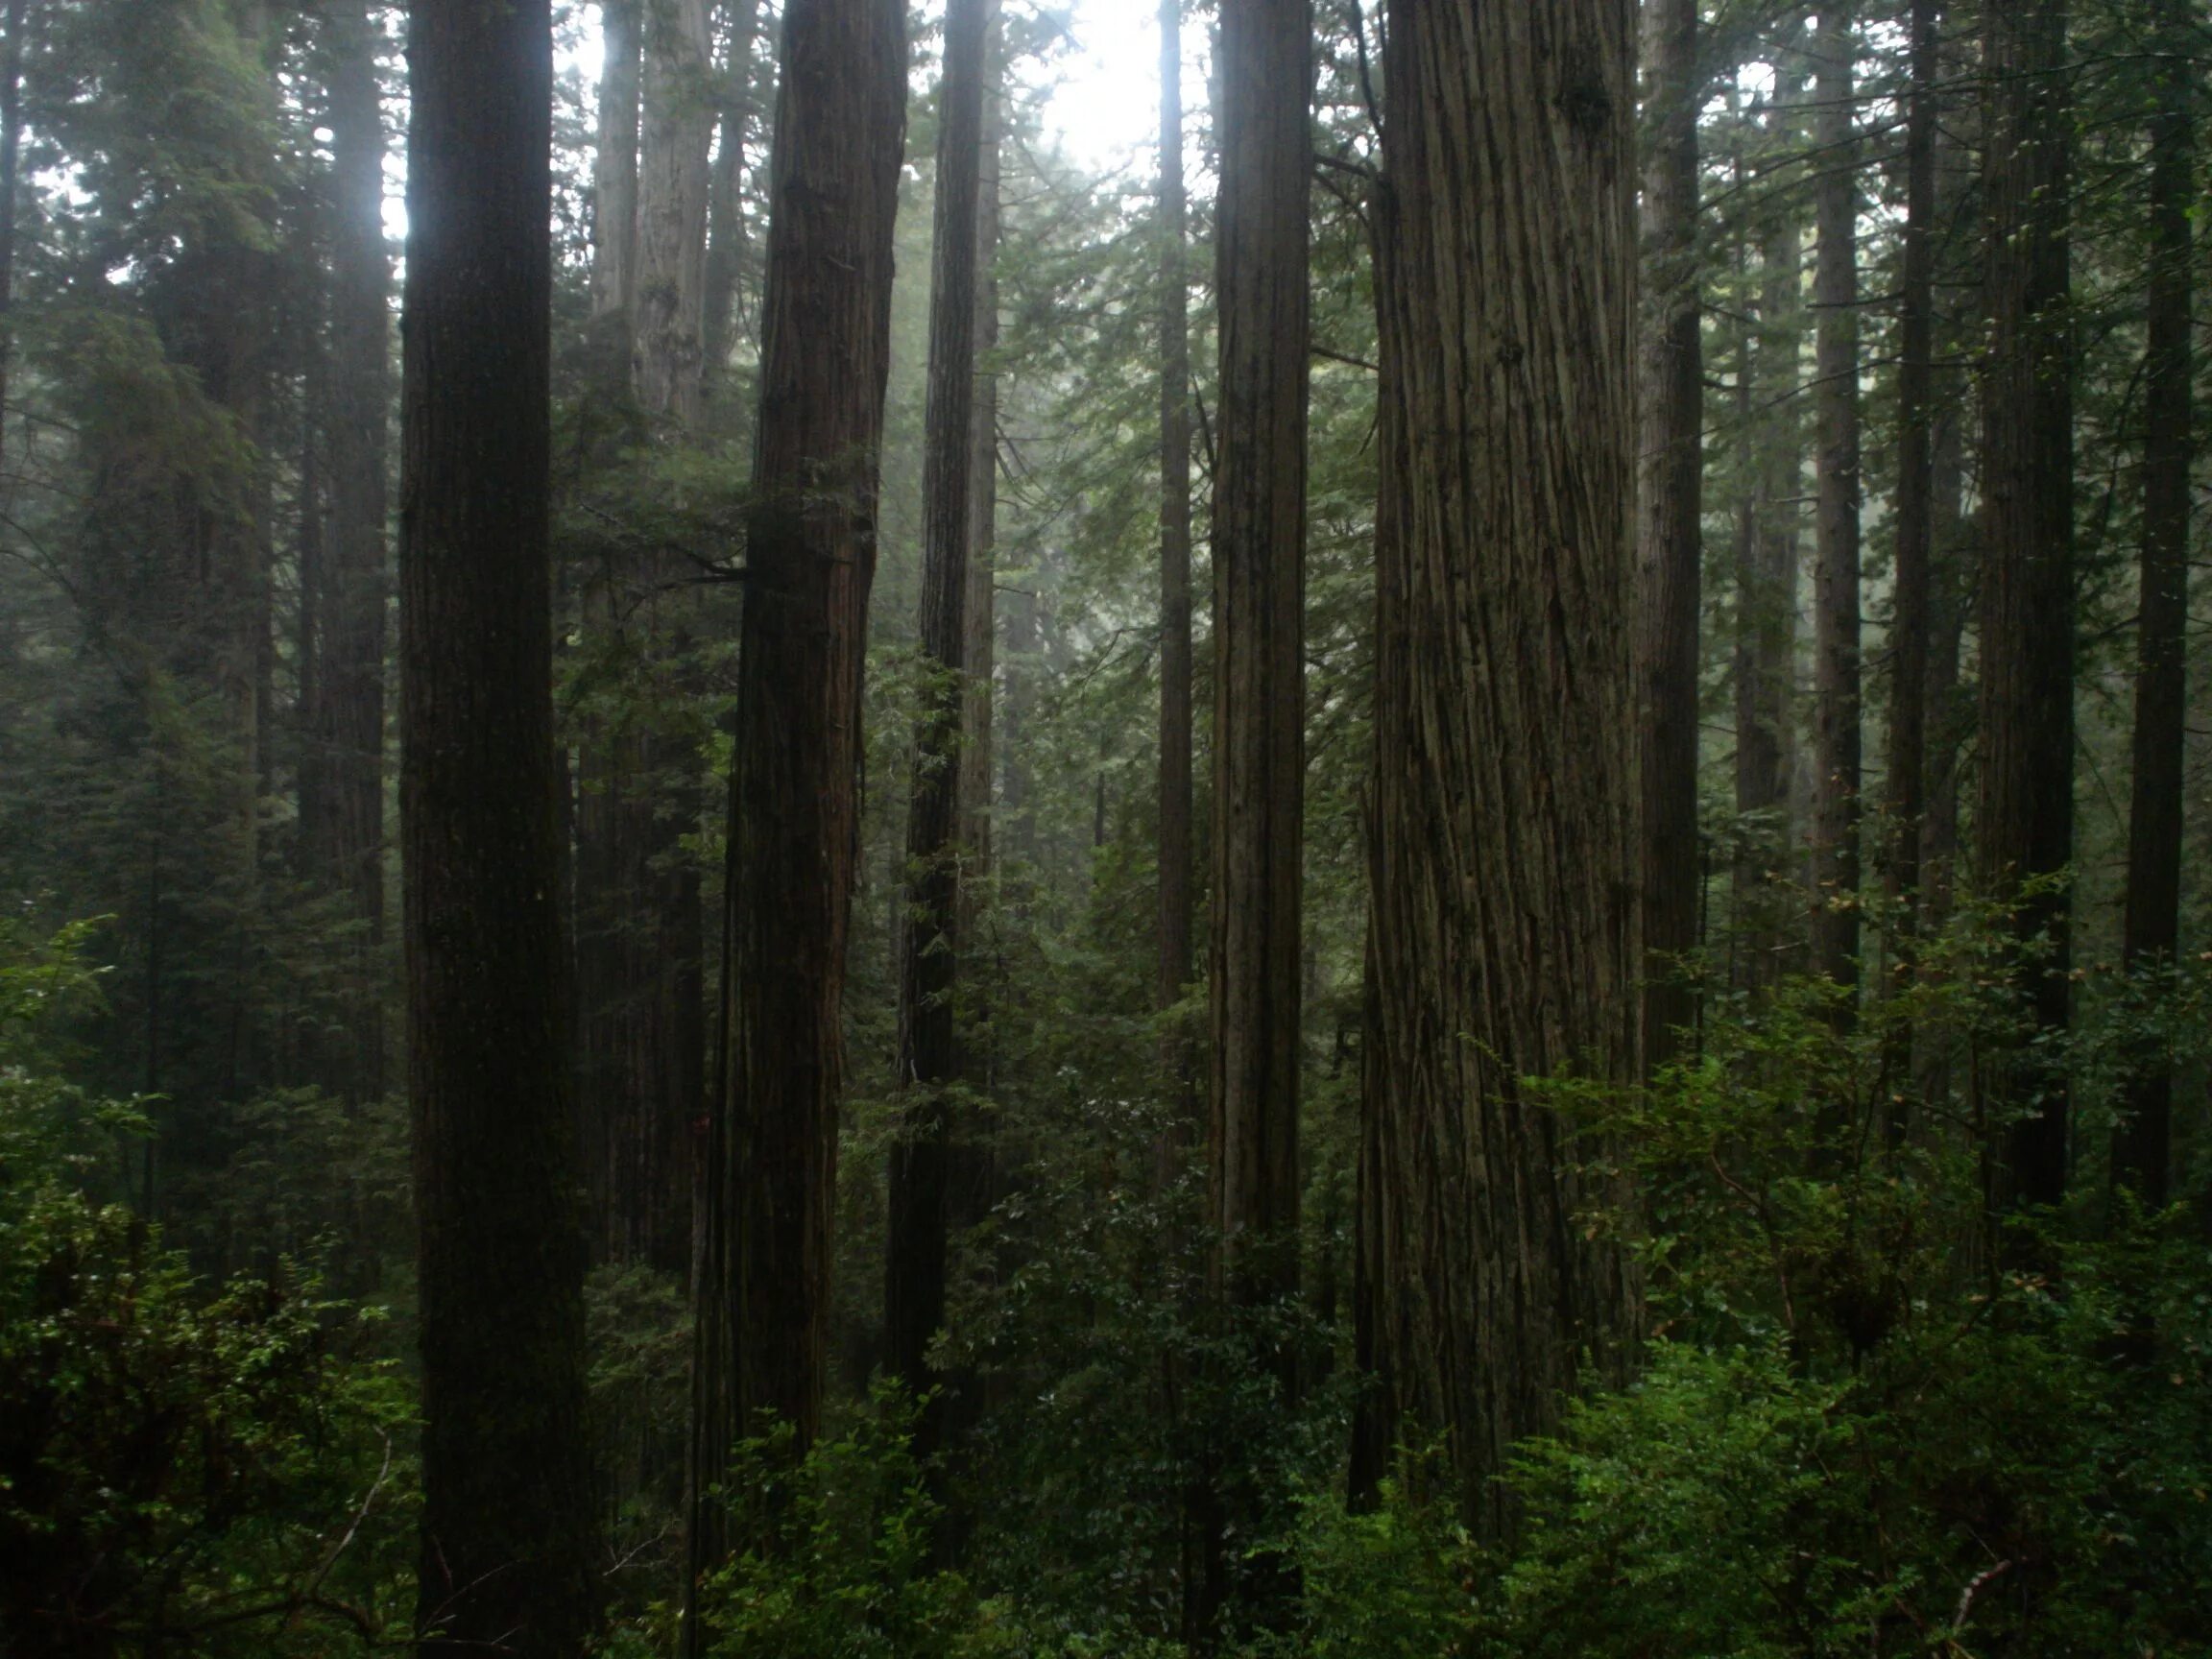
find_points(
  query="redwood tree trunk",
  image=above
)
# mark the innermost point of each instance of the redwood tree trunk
(1768, 552)
(2024, 820)
(1266, 57)
(761, 1332)
(1670, 534)
(1176, 875)
(351, 593)
(1906, 796)
(916, 1227)
(2141, 1148)
(614, 169)
(1506, 936)
(1837, 729)
(679, 128)
(509, 1555)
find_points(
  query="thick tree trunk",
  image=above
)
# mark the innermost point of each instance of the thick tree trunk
(1837, 726)
(349, 727)
(1670, 527)
(1505, 935)
(614, 170)
(761, 1332)
(1173, 957)
(2141, 1147)
(929, 947)
(510, 1554)
(2023, 819)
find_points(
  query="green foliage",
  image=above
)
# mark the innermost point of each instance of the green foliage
(182, 1468)
(836, 1559)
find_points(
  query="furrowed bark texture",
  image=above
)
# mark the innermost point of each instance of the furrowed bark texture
(1670, 533)
(929, 947)
(761, 1334)
(509, 1539)
(2142, 1146)
(1506, 933)
(2025, 815)
(1838, 742)
(1260, 244)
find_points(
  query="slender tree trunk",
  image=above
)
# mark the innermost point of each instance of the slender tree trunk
(1505, 935)
(2141, 1148)
(726, 237)
(614, 171)
(509, 1553)
(1767, 585)
(1906, 795)
(1837, 729)
(11, 166)
(1175, 859)
(679, 128)
(761, 1332)
(979, 613)
(1258, 598)
(352, 687)
(2023, 819)
(1670, 528)
(929, 952)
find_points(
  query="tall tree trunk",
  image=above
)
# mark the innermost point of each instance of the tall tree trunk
(929, 948)
(510, 1554)
(1906, 795)
(726, 238)
(1172, 972)
(11, 166)
(350, 728)
(762, 1331)
(614, 171)
(1261, 242)
(2023, 819)
(979, 611)
(1837, 726)
(2141, 1148)
(1505, 942)
(672, 168)
(1670, 528)
(1767, 583)
(1258, 603)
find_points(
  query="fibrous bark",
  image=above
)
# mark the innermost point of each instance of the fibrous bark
(1504, 940)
